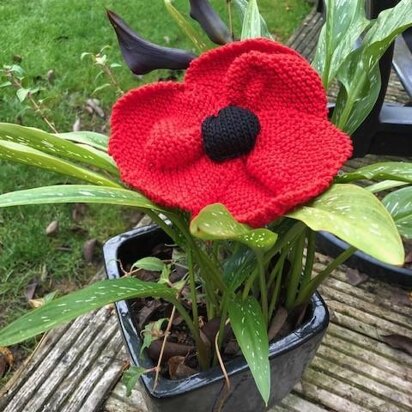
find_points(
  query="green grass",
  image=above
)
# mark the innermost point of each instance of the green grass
(48, 35)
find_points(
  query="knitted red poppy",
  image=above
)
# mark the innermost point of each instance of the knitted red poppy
(247, 128)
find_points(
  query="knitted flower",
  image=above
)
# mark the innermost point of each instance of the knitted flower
(247, 128)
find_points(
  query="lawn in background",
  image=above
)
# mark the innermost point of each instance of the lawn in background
(46, 38)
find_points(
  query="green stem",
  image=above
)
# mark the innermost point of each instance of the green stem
(263, 287)
(223, 318)
(193, 294)
(288, 237)
(309, 289)
(276, 291)
(249, 284)
(211, 273)
(310, 256)
(202, 352)
(296, 272)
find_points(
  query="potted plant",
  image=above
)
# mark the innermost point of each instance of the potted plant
(375, 128)
(235, 165)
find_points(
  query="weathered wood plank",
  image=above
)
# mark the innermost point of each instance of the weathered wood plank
(295, 403)
(396, 373)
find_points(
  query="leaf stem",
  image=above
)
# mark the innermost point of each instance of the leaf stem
(307, 291)
(296, 272)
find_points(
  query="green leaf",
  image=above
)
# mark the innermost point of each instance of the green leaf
(69, 307)
(241, 6)
(131, 376)
(149, 263)
(345, 22)
(15, 152)
(77, 194)
(251, 27)
(355, 98)
(22, 94)
(360, 72)
(5, 84)
(185, 26)
(400, 171)
(214, 222)
(389, 24)
(356, 216)
(399, 205)
(101, 87)
(151, 332)
(238, 267)
(97, 140)
(384, 185)
(248, 325)
(54, 145)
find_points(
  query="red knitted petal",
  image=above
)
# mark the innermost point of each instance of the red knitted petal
(208, 70)
(156, 144)
(133, 118)
(191, 188)
(261, 81)
(247, 200)
(170, 143)
(296, 157)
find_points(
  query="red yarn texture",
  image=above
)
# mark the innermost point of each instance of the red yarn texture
(157, 143)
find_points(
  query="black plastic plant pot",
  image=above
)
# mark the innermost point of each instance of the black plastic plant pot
(203, 391)
(330, 245)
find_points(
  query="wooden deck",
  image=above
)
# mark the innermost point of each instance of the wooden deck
(77, 367)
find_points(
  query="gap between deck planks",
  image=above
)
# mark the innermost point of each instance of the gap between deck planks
(76, 366)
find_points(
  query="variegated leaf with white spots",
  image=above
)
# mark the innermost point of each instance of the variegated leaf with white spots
(248, 325)
(214, 222)
(16, 152)
(57, 146)
(78, 194)
(71, 306)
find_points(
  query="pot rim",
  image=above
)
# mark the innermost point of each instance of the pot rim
(332, 246)
(316, 324)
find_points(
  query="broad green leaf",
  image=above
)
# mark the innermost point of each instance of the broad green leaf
(241, 7)
(185, 26)
(399, 205)
(53, 145)
(356, 216)
(15, 152)
(214, 222)
(389, 24)
(69, 307)
(77, 194)
(345, 22)
(248, 325)
(401, 171)
(5, 84)
(239, 267)
(360, 72)
(97, 140)
(131, 376)
(149, 263)
(251, 27)
(358, 93)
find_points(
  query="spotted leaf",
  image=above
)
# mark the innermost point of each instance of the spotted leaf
(214, 222)
(248, 326)
(71, 306)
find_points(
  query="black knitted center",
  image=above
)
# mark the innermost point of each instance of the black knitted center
(230, 134)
